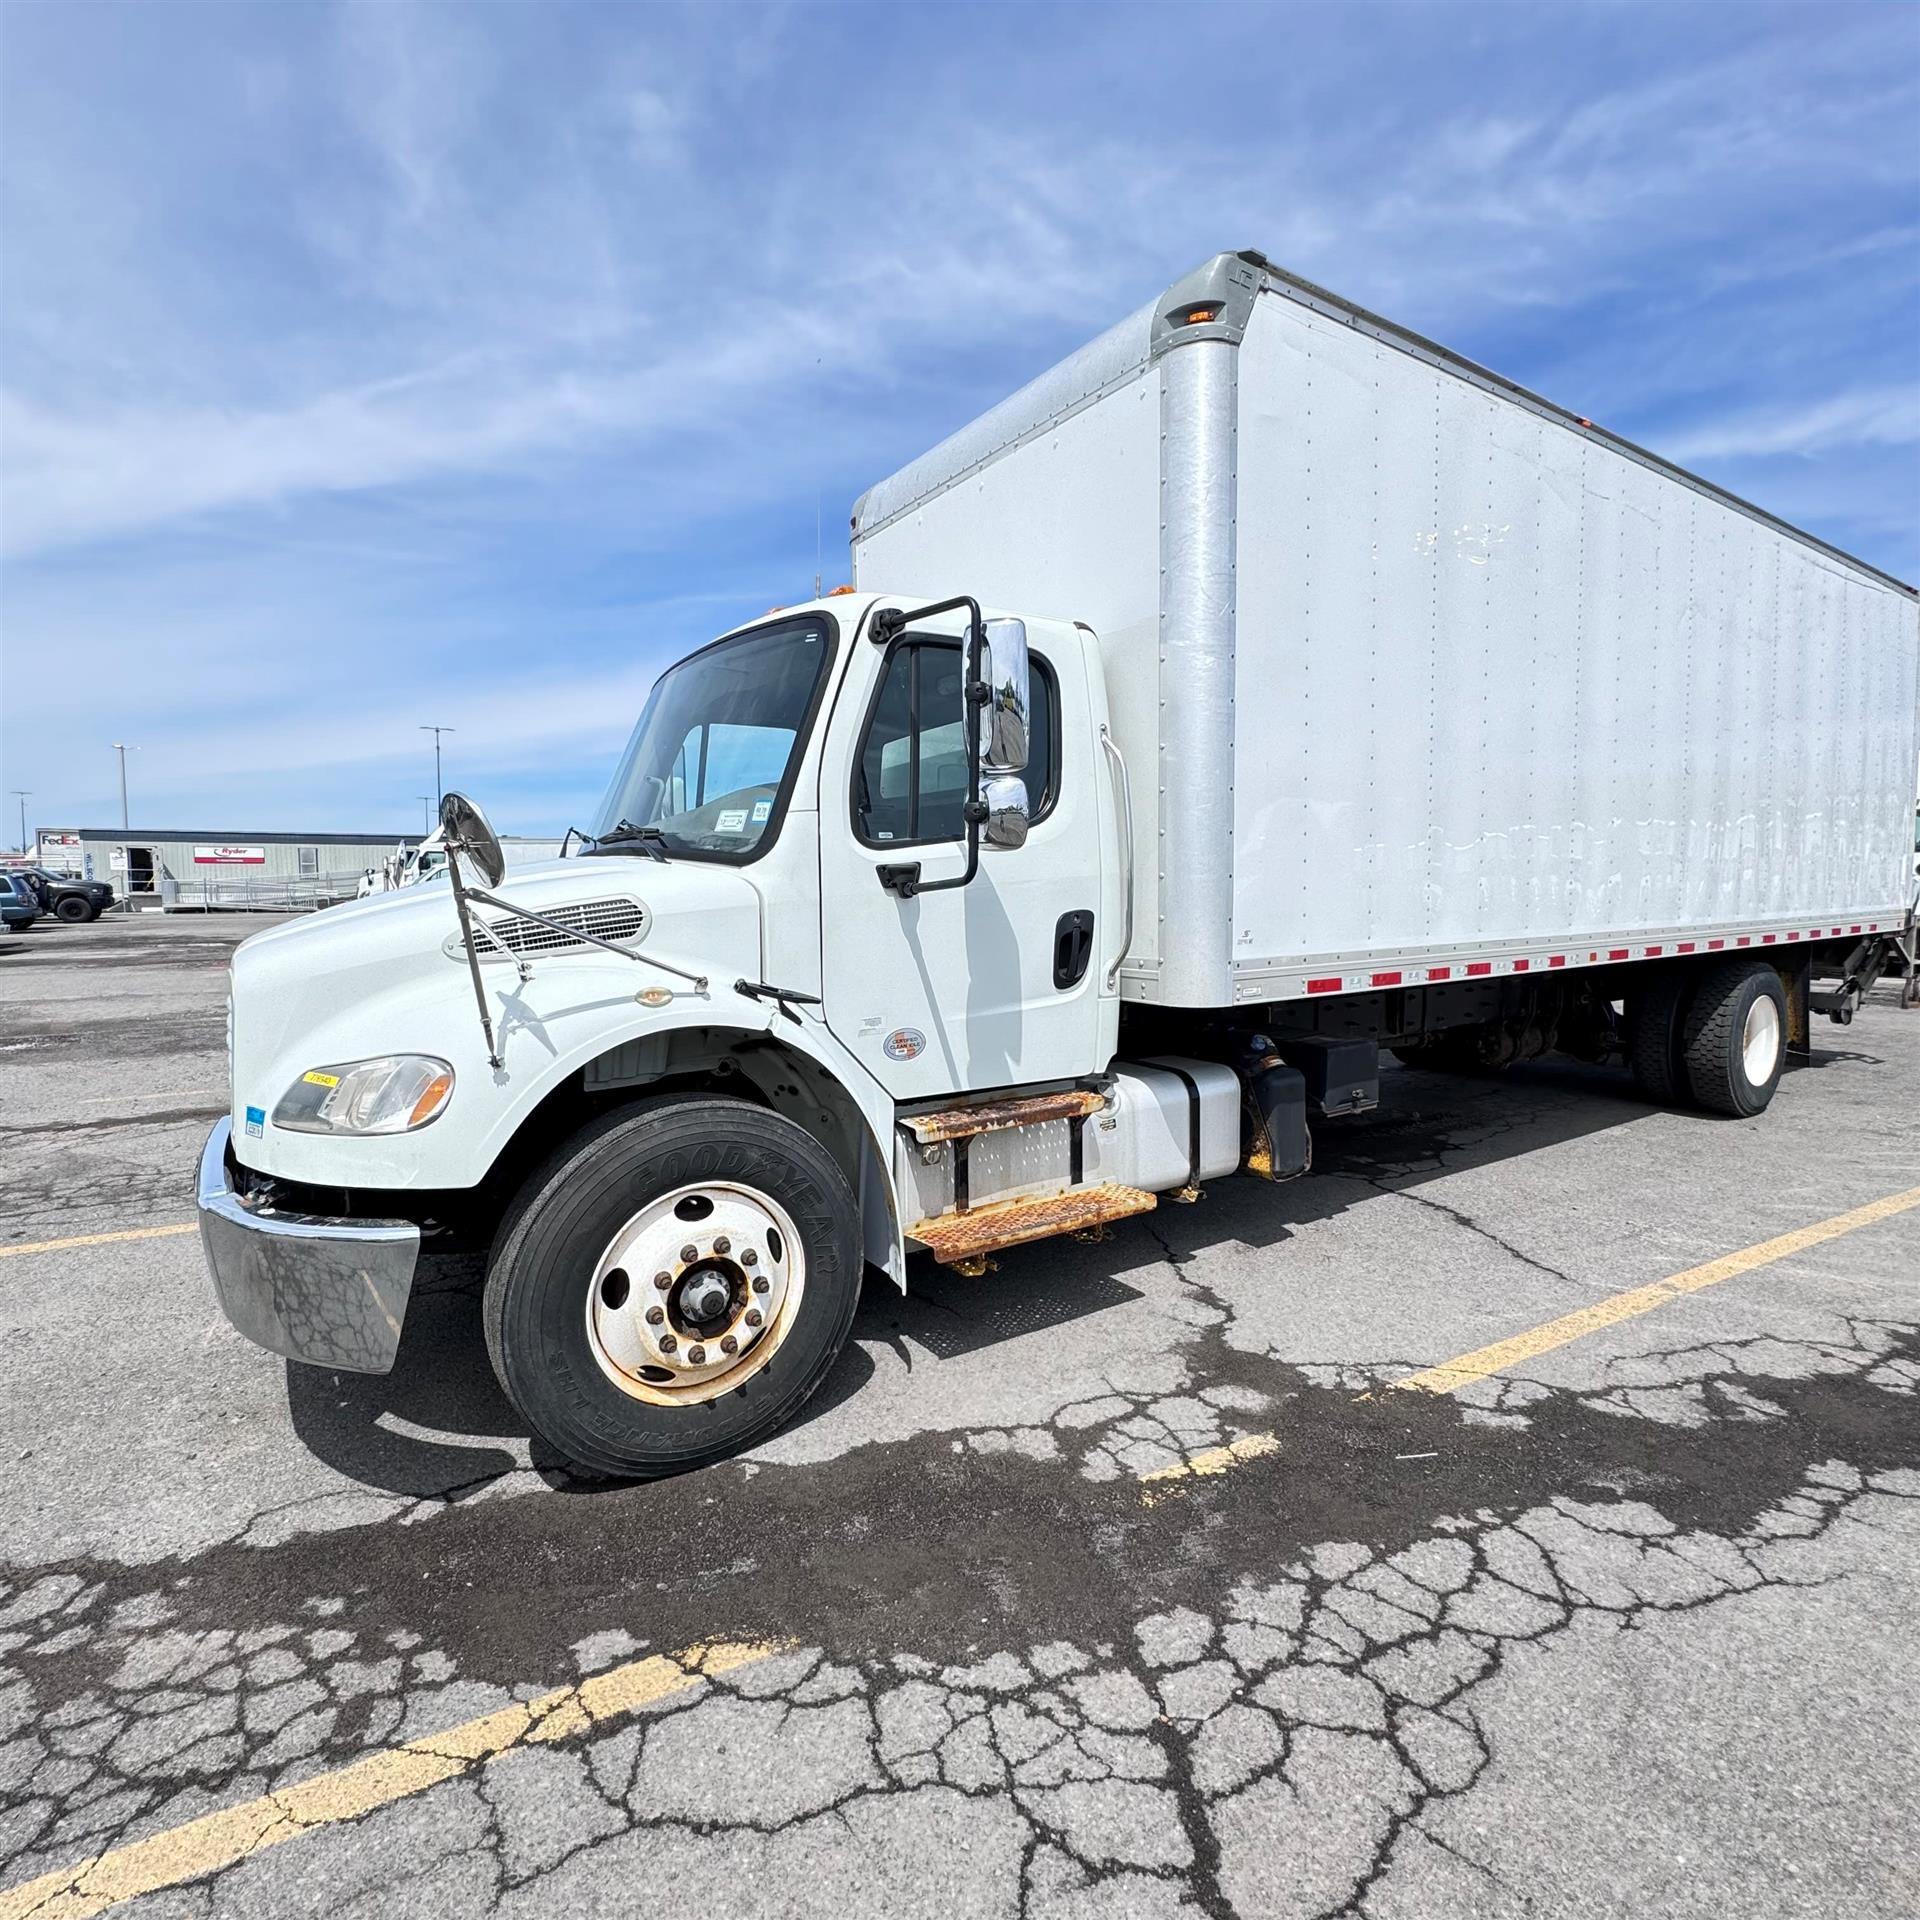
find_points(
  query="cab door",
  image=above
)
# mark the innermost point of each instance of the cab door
(997, 983)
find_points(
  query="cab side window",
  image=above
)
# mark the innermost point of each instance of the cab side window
(911, 786)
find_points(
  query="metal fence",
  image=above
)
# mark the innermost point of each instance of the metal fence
(255, 893)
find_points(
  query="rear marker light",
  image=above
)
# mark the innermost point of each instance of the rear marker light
(1856, 929)
(1616, 953)
(1766, 939)
(1324, 986)
(1386, 979)
(1685, 946)
(1558, 960)
(1520, 966)
(1479, 966)
(1745, 940)
(1439, 973)
(1654, 953)
(1714, 946)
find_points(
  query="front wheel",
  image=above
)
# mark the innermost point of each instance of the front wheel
(672, 1285)
(73, 909)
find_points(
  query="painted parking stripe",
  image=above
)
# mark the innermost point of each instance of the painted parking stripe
(1464, 1369)
(220, 1840)
(99, 1239)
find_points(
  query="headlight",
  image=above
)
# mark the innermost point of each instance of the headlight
(394, 1094)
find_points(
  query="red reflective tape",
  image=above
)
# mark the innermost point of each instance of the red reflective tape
(1616, 953)
(1746, 940)
(1856, 929)
(1479, 966)
(1685, 946)
(1386, 979)
(1439, 973)
(1714, 946)
(1654, 953)
(1324, 986)
(1520, 966)
(1766, 939)
(1558, 960)
(1791, 936)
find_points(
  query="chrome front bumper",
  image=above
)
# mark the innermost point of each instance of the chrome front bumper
(330, 1292)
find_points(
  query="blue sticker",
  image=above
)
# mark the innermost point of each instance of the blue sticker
(761, 810)
(257, 1121)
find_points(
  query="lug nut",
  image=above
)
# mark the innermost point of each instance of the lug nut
(695, 1355)
(668, 1343)
(728, 1344)
(753, 1316)
(761, 1283)
(689, 1255)
(655, 1315)
(663, 1281)
(722, 1244)
(749, 1258)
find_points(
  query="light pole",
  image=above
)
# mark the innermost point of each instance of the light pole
(426, 812)
(21, 794)
(123, 750)
(437, 732)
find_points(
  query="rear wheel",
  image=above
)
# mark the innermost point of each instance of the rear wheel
(672, 1285)
(1655, 1016)
(72, 908)
(1735, 1038)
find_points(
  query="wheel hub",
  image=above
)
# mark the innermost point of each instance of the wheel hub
(1760, 1040)
(695, 1293)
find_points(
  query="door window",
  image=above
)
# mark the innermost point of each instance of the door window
(911, 786)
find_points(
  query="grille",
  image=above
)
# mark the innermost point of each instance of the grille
(618, 920)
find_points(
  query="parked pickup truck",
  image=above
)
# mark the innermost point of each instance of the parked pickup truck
(67, 897)
(1262, 687)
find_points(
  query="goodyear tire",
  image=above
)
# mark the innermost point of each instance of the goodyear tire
(1735, 1038)
(672, 1285)
(1655, 1017)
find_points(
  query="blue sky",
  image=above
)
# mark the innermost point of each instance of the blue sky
(364, 366)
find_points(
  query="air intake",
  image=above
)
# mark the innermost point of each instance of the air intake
(622, 921)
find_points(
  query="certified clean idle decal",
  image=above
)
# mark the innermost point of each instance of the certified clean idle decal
(904, 1043)
(257, 1122)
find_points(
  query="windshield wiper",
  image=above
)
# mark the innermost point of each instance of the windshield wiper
(623, 833)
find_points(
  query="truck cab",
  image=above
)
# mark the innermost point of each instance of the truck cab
(837, 971)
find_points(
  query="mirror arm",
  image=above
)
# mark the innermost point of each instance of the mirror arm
(903, 877)
(473, 958)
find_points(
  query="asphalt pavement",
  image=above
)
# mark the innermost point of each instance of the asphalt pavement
(1123, 1580)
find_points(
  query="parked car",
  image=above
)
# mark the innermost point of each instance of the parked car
(66, 897)
(19, 904)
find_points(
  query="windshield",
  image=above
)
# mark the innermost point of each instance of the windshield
(708, 762)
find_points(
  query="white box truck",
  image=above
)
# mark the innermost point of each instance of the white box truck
(1263, 686)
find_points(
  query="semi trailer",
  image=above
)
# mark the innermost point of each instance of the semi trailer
(1261, 688)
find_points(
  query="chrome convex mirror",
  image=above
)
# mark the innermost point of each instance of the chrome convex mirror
(465, 829)
(1005, 798)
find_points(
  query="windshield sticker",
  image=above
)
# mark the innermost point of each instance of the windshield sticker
(762, 809)
(734, 820)
(257, 1122)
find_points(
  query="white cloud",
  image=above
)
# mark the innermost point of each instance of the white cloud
(1866, 417)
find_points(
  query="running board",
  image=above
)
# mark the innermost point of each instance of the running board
(997, 1116)
(953, 1238)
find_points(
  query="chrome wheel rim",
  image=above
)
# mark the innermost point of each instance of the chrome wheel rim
(695, 1293)
(1760, 1041)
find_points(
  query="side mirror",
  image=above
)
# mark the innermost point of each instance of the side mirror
(1004, 722)
(1004, 719)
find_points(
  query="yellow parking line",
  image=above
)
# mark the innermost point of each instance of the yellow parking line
(98, 1239)
(220, 1840)
(1462, 1371)
(1451, 1375)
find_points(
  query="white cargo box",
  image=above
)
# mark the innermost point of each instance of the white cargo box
(1415, 673)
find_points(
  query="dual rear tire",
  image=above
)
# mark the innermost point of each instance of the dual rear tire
(1718, 1040)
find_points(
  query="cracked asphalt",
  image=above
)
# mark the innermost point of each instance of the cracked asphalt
(1626, 1630)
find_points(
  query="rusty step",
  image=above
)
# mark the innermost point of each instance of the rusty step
(954, 1237)
(996, 1116)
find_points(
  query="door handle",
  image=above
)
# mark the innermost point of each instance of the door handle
(1072, 947)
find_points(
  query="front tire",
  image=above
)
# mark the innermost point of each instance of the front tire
(1735, 1038)
(73, 910)
(754, 1230)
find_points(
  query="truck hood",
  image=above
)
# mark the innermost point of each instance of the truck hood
(389, 975)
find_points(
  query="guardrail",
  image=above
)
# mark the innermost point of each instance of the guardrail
(253, 893)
